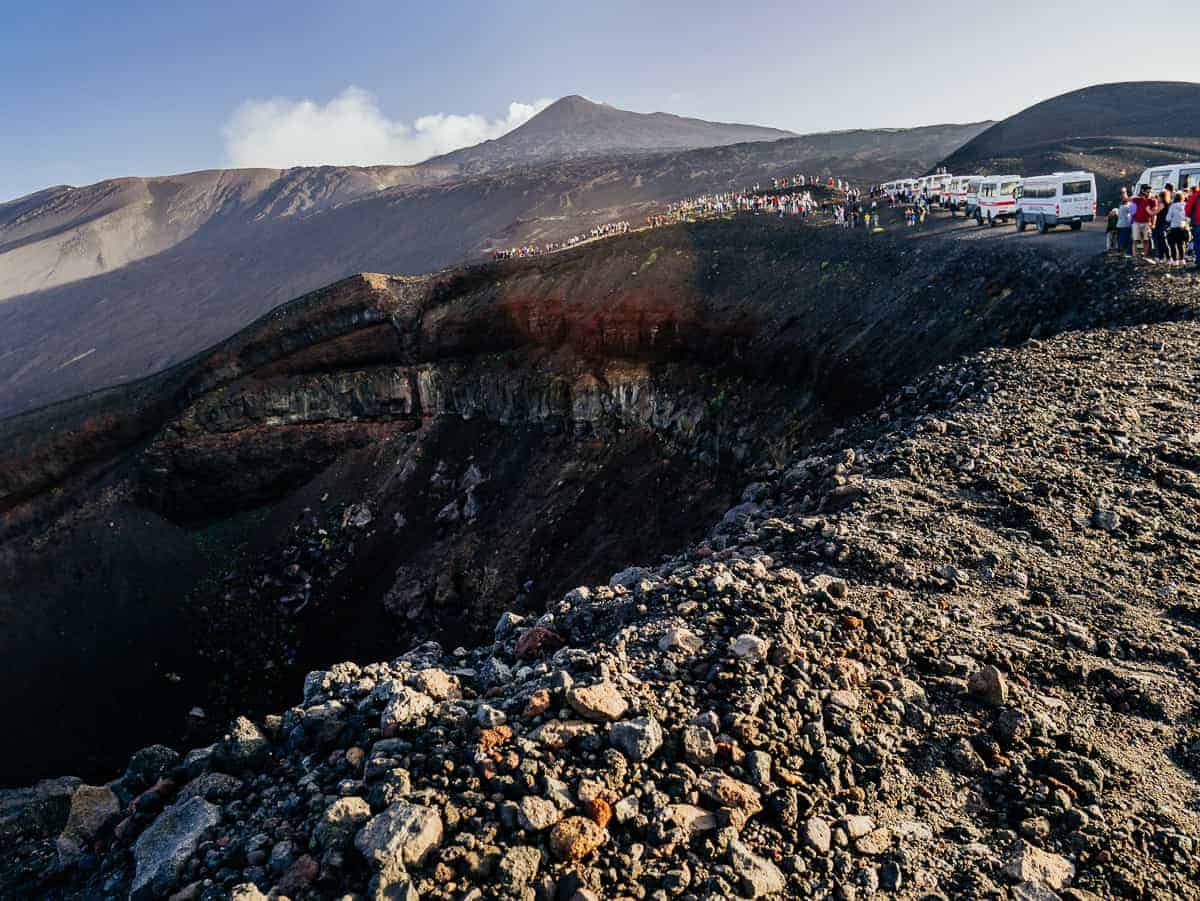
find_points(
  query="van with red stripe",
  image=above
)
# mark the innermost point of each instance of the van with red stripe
(997, 199)
(931, 186)
(971, 199)
(956, 193)
(1061, 198)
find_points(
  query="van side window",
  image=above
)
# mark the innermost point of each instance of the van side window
(1158, 179)
(1071, 188)
(1188, 177)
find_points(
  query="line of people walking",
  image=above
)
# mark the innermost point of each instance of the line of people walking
(1157, 228)
(795, 202)
(532, 250)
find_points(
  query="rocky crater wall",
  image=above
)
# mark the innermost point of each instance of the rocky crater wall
(610, 396)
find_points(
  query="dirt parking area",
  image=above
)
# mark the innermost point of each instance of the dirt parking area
(1086, 241)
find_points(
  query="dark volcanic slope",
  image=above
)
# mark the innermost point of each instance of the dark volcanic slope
(1159, 108)
(575, 126)
(1114, 130)
(246, 242)
(950, 648)
(65, 234)
(617, 384)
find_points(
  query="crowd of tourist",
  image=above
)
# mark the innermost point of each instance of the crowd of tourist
(787, 196)
(1157, 228)
(782, 200)
(903, 197)
(915, 204)
(855, 212)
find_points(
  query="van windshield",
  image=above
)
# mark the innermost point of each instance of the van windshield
(1076, 187)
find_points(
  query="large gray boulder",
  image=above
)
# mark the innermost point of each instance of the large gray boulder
(340, 821)
(245, 747)
(93, 807)
(637, 739)
(405, 706)
(1027, 863)
(757, 876)
(161, 851)
(403, 833)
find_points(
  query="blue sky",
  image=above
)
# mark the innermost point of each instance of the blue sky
(92, 91)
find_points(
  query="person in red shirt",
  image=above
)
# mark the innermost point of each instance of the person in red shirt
(1145, 207)
(1192, 209)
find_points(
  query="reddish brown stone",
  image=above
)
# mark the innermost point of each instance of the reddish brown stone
(599, 811)
(494, 738)
(298, 876)
(575, 838)
(538, 640)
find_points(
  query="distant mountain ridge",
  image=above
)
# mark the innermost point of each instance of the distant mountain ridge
(64, 234)
(1122, 109)
(1113, 130)
(576, 127)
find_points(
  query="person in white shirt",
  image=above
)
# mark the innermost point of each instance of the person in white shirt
(1177, 230)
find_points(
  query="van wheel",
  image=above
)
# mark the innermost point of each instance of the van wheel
(1020, 222)
(979, 219)
(1041, 226)
(1076, 226)
(992, 221)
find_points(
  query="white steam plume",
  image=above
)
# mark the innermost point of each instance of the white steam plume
(351, 130)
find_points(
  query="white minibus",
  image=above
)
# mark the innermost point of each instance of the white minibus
(956, 193)
(933, 186)
(1181, 175)
(1061, 198)
(997, 199)
(971, 198)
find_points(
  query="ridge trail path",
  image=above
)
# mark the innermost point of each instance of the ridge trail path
(1087, 241)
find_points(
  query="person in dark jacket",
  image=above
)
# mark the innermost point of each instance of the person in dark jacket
(1125, 224)
(1158, 228)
